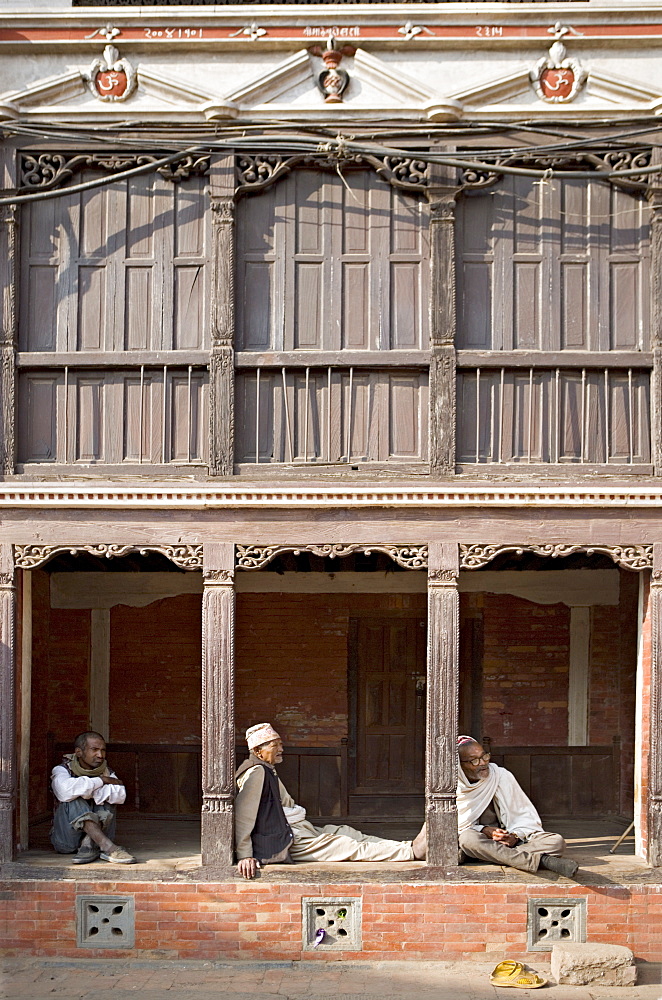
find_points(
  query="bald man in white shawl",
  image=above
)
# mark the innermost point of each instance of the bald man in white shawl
(497, 822)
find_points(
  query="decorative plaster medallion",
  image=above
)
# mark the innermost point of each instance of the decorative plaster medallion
(333, 81)
(557, 78)
(111, 78)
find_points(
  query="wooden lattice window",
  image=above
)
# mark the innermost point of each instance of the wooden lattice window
(554, 325)
(332, 322)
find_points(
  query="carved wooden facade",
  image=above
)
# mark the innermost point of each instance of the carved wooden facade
(267, 314)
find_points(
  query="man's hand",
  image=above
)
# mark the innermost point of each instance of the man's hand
(500, 836)
(107, 780)
(248, 867)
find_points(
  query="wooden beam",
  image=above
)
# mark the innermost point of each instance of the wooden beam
(25, 709)
(442, 194)
(218, 612)
(99, 708)
(324, 359)
(110, 359)
(655, 199)
(442, 703)
(554, 359)
(221, 361)
(655, 703)
(8, 317)
(7, 706)
(578, 675)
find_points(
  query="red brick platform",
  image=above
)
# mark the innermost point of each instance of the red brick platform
(232, 919)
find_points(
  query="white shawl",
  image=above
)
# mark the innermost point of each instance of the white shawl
(515, 811)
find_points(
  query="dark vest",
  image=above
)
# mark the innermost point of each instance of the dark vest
(271, 833)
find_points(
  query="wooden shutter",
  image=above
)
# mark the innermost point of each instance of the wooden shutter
(117, 273)
(332, 264)
(553, 266)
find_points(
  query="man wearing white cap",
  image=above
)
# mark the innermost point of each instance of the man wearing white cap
(270, 827)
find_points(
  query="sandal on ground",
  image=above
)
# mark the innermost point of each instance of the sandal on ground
(508, 969)
(524, 981)
(119, 857)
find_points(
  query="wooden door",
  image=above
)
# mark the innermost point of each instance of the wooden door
(389, 660)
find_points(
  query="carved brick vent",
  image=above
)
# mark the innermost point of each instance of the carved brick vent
(105, 922)
(331, 924)
(552, 920)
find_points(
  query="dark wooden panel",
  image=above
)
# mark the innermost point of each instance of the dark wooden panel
(565, 781)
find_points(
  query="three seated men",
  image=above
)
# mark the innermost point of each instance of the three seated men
(271, 828)
(497, 822)
(87, 792)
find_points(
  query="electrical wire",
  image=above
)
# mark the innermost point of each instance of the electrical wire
(282, 138)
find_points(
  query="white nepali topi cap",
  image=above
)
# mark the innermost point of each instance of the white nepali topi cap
(263, 732)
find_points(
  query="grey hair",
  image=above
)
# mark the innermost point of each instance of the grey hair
(81, 740)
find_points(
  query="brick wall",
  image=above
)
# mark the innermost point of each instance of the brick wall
(155, 673)
(525, 679)
(291, 660)
(262, 921)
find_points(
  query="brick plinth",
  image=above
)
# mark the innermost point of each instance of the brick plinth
(261, 921)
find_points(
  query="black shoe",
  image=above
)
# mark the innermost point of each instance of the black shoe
(562, 866)
(85, 855)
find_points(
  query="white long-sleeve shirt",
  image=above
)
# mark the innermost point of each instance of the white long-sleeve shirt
(66, 788)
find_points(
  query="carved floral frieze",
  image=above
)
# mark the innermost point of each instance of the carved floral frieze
(632, 557)
(48, 170)
(250, 557)
(188, 557)
(258, 171)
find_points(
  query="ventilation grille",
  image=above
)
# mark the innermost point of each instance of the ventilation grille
(105, 922)
(331, 924)
(553, 920)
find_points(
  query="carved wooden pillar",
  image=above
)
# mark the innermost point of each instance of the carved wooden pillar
(7, 705)
(442, 194)
(655, 703)
(655, 200)
(8, 319)
(442, 706)
(218, 603)
(221, 360)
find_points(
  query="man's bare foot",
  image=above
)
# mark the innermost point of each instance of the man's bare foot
(420, 844)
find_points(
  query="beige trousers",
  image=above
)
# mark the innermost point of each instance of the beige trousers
(343, 843)
(525, 856)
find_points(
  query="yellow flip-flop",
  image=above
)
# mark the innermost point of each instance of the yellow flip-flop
(506, 970)
(524, 981)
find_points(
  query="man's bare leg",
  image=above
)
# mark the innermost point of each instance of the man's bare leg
(95, 833)
(420, 844)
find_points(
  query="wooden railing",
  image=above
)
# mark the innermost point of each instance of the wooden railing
(535, 415)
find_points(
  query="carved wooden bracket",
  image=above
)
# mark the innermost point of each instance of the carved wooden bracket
(187, 557)
(43, 171)
(612, 160)
(259, 171)
(633, 557)
(257, 556)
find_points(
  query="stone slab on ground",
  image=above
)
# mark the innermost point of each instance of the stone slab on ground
(35, 978)
(592, 964)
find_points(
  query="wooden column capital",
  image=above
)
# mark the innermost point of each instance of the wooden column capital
(442, 706)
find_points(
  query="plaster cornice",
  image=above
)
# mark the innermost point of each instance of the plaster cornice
(325, 496)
